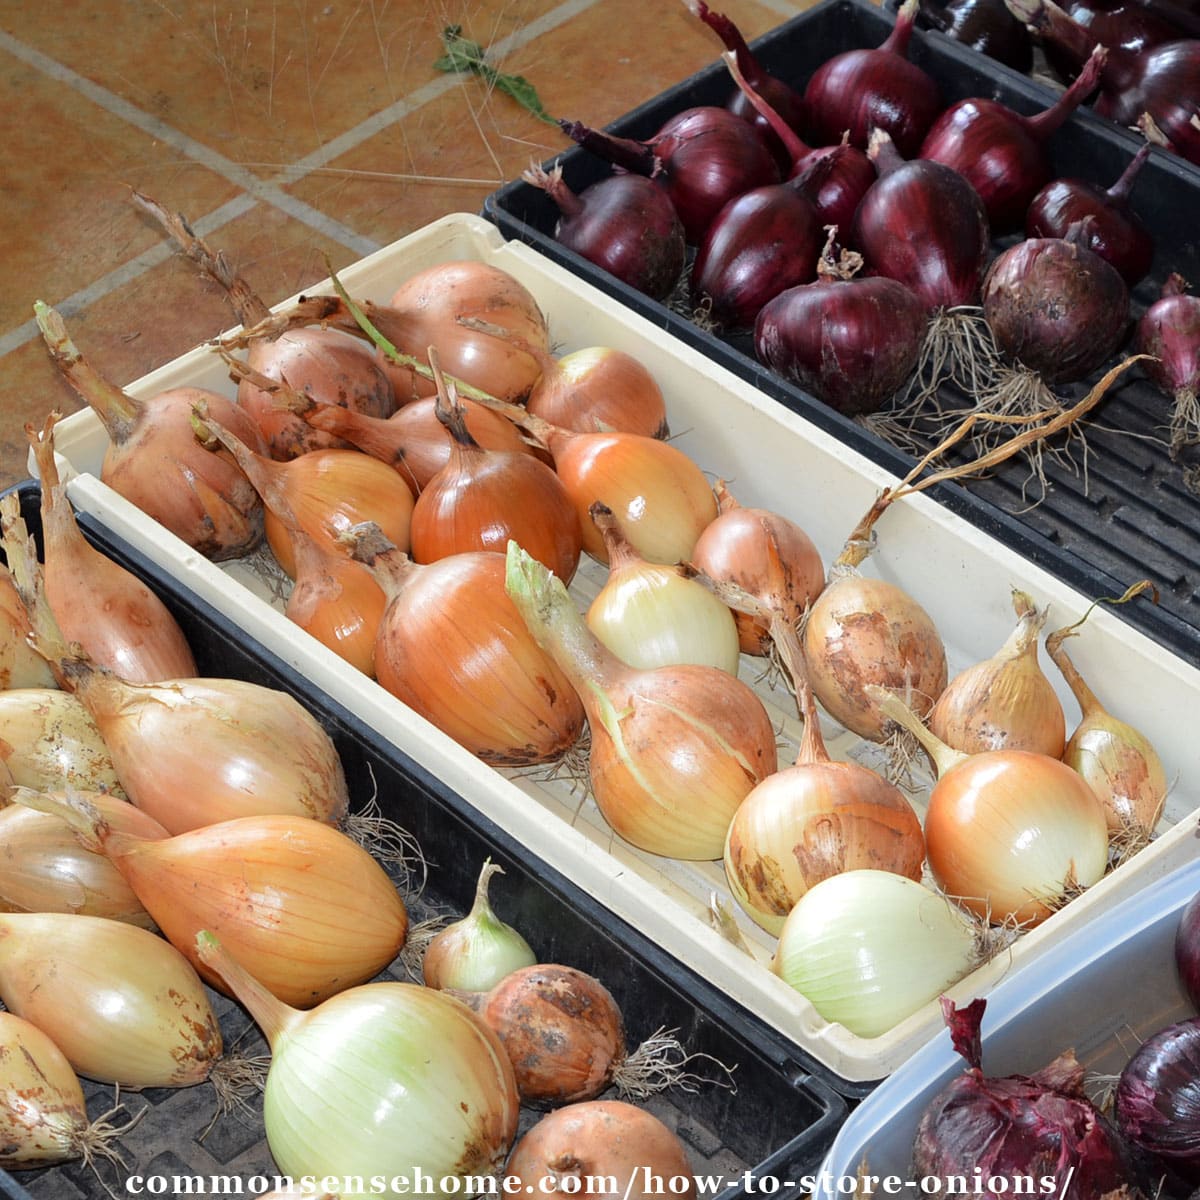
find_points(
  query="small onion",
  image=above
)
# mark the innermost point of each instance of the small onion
(43, 1117)
(674, 750)
(588, 1146)
(474, 954)
(123, 1005)
(812, 820)
(869, 948)
(1004, 702)
(652, 615)
(423, 1086)
(1169, 331)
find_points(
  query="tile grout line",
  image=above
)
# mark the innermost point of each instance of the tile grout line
(256, 190)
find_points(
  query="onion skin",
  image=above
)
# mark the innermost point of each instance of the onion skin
(1158, 1099)
(1187, 950)
(862, 90)
(759, 244)
(1018, 1126)
(600, 1139)
(1056, 307)
(49, 739)
(562, 1031)
(596, 389)
(324, 364)
(43, 868)
(1114, 233)
(1001, 814)
(924, 225)
(20, 665)
(864, 631)
(453, 647)
(193, 751)
(123, 1005)
(623, 224)
(984, 25)
(852, 343)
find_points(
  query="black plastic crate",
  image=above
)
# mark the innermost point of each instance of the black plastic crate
(779, 1121)
(1131, 517)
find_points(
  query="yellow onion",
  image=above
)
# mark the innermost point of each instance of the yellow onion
(383, 1080)
(767, 556)
(154, 461)
(20, 665)
(1117, 761)
(1004, 702)
(814, 819)
(193, 751)
(323, 493)
(43, 1117)
(674, 750)
(655, 615)
(597, 389)
(482, 498)
(43, 868)
(120, 623)
(1011, 835)
(122, 1005)
(310, 908)
(474, 954)
(49, 739)
(604, 1148)
(453, 647)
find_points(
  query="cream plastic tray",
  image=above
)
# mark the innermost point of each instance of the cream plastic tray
(772, 458)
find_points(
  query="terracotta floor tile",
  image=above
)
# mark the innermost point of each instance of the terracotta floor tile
(66, 209)
(261, 84)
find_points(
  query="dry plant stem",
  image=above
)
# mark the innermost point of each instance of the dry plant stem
(944, 757)
(721, 918)
(249, 307)
(858, 545)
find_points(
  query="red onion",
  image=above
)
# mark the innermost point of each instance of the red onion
(1158, 1100)
(624, 224)
(834, 178)
(1170, 331)
(1017, 1127)
(984, 25)
(704, 157)
(850, 342)
(1187, 950)
(1002, 153)
(1056, 306)
(1163, 83)
(1115, 233)
(761, 243)
(863, 90)
(923, 224)
(1121, 24)
(782, 97)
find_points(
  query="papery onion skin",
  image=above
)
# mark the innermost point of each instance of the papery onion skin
(453, 647)
(48, 738)
(20, 665)
(312, 909)
(42, 1109)
(765, 554)
(323, 363)
(123, 1005)
(1018, 1126)
(863, 631)
(1056, 307)
(403, 1108)
(43, 868)
(1012, 834)
(600, 1140)
(194, 751)
(869, 948)
(1187, 950)
(562, 1031)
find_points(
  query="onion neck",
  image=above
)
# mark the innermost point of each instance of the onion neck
(796, 149)
(1051, 23)
(622, 554)
(1024, 638)
(1175, 285)
(82, 817)
(881, 150)
(897, 41)
(1042, 125)
(731, 38)
(1120, 191)
(551, 182)
(945, 758)
(266, 476)
(1086, 698)
(391, 568)
(119, 413)
(812, 744)
(636, 157)
(274, 1017)
(559, 628)
(725, 498)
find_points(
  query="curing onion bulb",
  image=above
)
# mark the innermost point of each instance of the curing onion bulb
(1010, 834)
(869, 948)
